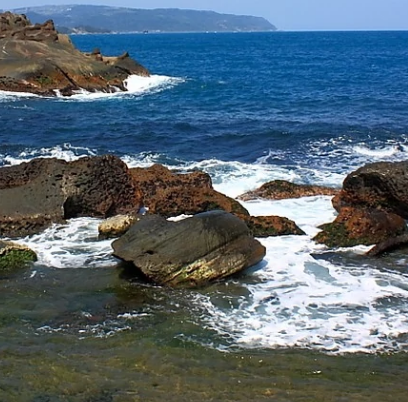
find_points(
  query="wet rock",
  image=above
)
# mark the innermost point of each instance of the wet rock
(387, 245)
(265, 226)
(37, 59)
(14, 256)
(171, 194)
(282, 189)
(354, 226)
(192, 252)
(381, 185)
(116, 226)
(36, 194)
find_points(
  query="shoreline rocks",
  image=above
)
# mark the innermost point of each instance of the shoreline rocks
(37, 59)
(14, 256)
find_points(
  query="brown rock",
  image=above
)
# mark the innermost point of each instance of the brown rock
(382, 185)
(171, 194)
(282, 189)
(354, 226)
(265, 226)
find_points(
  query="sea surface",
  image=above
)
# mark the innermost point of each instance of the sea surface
(246, 108)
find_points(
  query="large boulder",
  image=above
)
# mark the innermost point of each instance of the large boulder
(14, 256)
(381, 185)
(191, 252)
(36, 194)
(282, 189)
(171, 194)
(354, 226)
(37, 59)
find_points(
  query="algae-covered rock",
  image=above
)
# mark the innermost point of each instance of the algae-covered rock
(14, 256)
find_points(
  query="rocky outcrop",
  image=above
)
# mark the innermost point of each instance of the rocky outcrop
(354, 226)
(37, 59)
(14, 256)
(36, 194)
(171, 194)
(381, 185)
(189, 253)
(391, 244)
(282, 189)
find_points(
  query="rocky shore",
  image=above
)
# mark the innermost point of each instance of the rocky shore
(37, 59)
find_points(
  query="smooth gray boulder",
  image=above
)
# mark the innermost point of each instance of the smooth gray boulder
(192, 252)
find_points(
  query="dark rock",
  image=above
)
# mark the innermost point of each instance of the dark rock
(265, 226)
(282, 189)
(36, 194)
(14, 256)
(37, 59)
(171, 194)
(191, 252)
(354, 226)
(393, 243)
(381, 185)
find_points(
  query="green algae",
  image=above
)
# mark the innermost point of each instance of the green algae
(16, 258)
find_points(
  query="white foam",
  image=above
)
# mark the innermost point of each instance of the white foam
(297, 301)
(72, 245)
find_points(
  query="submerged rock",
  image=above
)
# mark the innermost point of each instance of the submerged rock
(38, 59)
(282, 189)
(192, 252)
(14, 256)
(36, 194)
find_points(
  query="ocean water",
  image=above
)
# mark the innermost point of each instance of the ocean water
(247, 108)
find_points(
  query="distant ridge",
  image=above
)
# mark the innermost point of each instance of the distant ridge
(87, 18)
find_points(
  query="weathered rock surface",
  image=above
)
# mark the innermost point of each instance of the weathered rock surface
(116, 226)
(381, 185)
(354, 226)
(391, 244)
(171, 194)
(14, 256)
(191, 252)
(36, 194)
(282, 189)
(265, 226)
(37, 59)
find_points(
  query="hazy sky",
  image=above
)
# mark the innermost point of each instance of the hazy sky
(285, 14)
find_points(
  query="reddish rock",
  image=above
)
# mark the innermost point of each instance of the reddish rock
(265, 226)
(382, 185)
(171, 194)
(282, 189)
(37, 59)
(354, 226)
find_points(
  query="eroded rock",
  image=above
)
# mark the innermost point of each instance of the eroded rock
(192, 252)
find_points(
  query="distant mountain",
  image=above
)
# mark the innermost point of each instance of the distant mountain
(85, 18)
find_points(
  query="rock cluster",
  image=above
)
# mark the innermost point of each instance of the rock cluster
(38, 59)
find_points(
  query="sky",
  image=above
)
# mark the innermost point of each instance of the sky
(286, 15)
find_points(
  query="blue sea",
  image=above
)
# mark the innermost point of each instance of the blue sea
(308, 107)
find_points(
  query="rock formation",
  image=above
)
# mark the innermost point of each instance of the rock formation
(37, 59)
(36, 194)
(191, 252)
(372, 206)
(282, 189)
